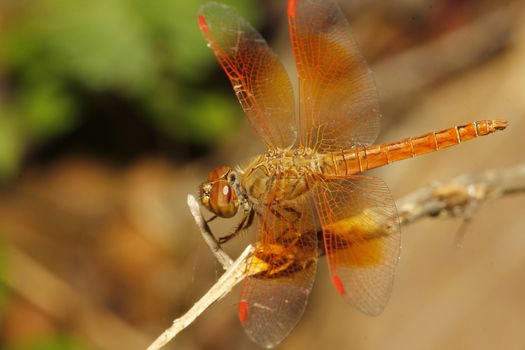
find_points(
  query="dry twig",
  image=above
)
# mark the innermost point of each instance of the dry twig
(462, 195)
(452, 198)
(223, 286)
(221, 256)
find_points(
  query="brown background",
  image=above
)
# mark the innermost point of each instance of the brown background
(111, 253)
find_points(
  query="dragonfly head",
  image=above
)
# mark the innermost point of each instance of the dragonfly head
(218, 192)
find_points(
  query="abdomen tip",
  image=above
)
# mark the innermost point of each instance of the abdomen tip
(500, 124)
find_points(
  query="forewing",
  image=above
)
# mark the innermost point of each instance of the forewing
(282, 271)
(361, 236)
(339, 107)
(259, 79)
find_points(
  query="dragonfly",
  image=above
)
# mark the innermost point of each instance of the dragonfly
(306, 196)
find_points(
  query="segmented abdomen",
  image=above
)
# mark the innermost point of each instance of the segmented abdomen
(360, 159)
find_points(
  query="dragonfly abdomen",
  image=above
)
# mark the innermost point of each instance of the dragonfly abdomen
(360, 159)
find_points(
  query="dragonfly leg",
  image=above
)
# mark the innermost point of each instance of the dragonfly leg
(211, 219)
(246, 222)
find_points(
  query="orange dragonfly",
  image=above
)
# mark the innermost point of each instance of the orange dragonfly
(305, 197)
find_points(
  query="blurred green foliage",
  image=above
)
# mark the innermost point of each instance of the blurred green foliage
(150, 53)
(50, 342)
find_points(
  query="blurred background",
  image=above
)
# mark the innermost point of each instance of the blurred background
(111, 112)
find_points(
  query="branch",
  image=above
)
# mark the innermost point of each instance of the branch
(462, 195)
(458, 197)
(223, 286)
(221, 256)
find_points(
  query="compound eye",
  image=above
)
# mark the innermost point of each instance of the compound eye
(224, 191)
(218, 173)
(223, 200)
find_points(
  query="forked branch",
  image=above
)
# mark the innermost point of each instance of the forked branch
(458, 197)
(235, 271)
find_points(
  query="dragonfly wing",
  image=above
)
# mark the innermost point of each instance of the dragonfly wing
(281, 271)
(361, 236)
(339, 106)
(259, 79)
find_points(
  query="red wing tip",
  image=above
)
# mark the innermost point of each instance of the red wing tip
(291, 8)
(243, 311)
(338, 284)
(202, 23)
